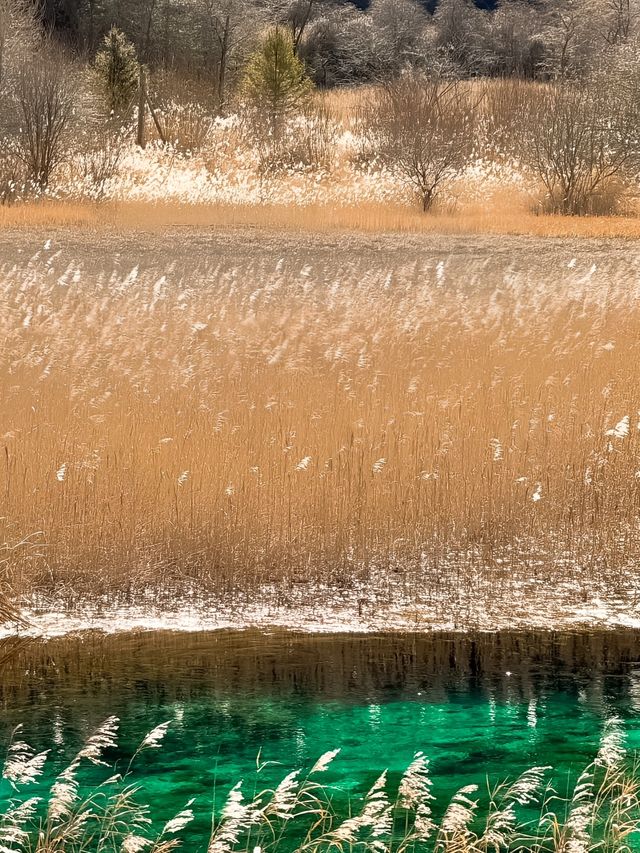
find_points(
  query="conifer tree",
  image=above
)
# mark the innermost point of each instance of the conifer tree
(276, 82)
(118, 69)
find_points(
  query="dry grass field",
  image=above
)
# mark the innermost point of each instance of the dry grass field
(453, 420)
(506, 215)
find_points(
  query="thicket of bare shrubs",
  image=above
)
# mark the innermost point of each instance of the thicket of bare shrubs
(583, 143)
(573, 131)
(40, 92)
(45, 98)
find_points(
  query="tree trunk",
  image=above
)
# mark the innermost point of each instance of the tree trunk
(142, 108)
(299, 32)
(155, 118)
(147, 37)
(222, 69)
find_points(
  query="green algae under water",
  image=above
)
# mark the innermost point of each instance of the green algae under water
(489, 706)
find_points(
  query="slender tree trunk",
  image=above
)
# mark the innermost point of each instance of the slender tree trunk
(142, 107)
(155, 118)
(92, 25)
(147, 37)
(297, 35)
(222, 69)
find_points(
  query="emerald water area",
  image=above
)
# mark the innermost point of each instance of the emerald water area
(480, 707)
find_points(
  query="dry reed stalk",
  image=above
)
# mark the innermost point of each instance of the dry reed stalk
(8, 612)
(268, 422)
(504, 213)
(301, 814)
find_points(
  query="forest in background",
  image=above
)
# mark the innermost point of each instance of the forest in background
(342, 44)
(301, 102)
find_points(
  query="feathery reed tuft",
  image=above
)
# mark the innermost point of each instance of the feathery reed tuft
(300, 815)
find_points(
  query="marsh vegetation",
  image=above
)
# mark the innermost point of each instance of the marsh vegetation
(525, 109)
(425, 429)
(299, 813)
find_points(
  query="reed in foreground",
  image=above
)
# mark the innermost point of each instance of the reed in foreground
(600, 812)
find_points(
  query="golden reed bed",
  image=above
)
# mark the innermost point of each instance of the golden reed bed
(255, 419)
(508, 215)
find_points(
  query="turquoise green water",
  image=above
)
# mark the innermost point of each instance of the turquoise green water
(378, 704)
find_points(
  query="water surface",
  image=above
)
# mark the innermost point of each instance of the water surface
(490, 705)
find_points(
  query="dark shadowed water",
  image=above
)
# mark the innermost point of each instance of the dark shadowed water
(494, 704)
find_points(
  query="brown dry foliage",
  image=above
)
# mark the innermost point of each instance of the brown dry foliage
(421, 127)
(506, 213)
(261, 423)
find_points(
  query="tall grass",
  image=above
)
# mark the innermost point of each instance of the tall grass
(109, 816)
(600, 812)
(9, 612)
(503, 213)
(426, 422)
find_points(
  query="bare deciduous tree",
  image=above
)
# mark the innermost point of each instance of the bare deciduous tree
(579, 140)
(45, 99)
(230, 28)
(299, 13)
(621, 15)
(422, 129)
(18, 25)
(400, 35)
(457, 24)
(340, 47)
(511, 42)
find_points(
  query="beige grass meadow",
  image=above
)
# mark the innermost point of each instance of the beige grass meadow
(275, 423)
(508, 214)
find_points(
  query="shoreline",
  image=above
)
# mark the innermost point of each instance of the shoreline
(50, 623)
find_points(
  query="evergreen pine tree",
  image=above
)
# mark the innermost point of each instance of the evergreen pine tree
(118, 69)
(276, 82)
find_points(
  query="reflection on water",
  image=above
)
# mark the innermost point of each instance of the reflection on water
(488, 704)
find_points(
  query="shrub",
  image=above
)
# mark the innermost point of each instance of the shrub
(187, 126)
(100, 161)
(581, 142)
(421, 128)
(46, 101)
(306, 142)
(12, 174)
